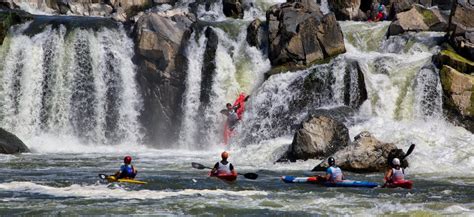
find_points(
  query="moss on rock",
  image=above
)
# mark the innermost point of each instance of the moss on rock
(456, 61)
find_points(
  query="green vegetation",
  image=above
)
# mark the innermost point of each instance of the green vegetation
(428, 16)
(456, 61)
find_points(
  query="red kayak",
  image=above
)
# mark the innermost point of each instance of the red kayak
(240, 111)
(225, 177)
(408, 184)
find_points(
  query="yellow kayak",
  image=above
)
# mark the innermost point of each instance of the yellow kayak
(114, 179)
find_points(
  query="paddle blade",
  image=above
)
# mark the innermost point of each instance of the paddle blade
(102, 176)
(197, 166)
(410, 150)
(251, 175)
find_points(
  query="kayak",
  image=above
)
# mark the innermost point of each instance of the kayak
(317, 180)
(240, 101)
(225, 177)
(408, 184)
(114, 179)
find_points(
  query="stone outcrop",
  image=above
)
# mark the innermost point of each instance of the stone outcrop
(299, 35)
(10, 18)
(458, 96)
(159, 55)
(11, 144)
(418, 18)
(454, 60)
(254, 36)
(347, 9)
(461, 28)
(365, 154)
(233, 8)
(120, 10)
(318, 137)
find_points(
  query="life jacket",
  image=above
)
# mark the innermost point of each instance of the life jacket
(336, 174)
(127, 171)
(224, 169)
(397, 175)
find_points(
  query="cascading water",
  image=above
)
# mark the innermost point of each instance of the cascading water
(239, 68)
(70, 82)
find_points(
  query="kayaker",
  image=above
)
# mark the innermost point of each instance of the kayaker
(333, 173)
(232, 117)
(127, 171)
(223, 167)
(395, 173)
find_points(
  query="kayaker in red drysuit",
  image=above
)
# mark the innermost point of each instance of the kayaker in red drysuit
(395, 173)
(234, 115)
(223, 167)
(127, 171)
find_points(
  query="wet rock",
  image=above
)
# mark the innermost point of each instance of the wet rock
(462, 29)
(233, 8)
(11, 144)
(208, 67)
(345, 9)
(159, 55)
(365, 154)
(458, 96)
(454, 60)
(299, 36)
(253, 33)
(9, 18)
(417, 19)
(318, 137)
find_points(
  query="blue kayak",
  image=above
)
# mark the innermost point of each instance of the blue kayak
(316, 180)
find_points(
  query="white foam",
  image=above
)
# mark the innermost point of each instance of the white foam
(103, 192)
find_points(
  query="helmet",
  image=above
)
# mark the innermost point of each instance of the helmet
(224, 155)
(331, 161)
(127, 159)
(396, 162)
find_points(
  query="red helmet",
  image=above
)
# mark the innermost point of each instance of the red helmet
(224, 155)
(127, 159)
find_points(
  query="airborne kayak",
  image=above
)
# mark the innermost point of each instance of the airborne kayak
(225, 177)
(408, 184)
(114, 179)
(316, 180)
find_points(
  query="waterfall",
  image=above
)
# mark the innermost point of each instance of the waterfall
(75, 82)
(239, 68)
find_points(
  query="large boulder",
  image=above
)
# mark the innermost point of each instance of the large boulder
(365, 154)
(300, 35)
(458, 96)
(11, 144)
(233, 8)
(418, 18)
(454, 60)
(318, 137)
(462, 29)
(159, 54)
(345, 9)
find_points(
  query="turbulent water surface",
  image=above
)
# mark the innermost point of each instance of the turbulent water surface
(70, 94)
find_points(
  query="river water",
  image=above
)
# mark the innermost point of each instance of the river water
(69, 94)
(67, 184)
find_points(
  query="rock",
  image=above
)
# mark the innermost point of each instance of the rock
(253, 33)
(461, 28)
(418, 19)
(345, 9)
(442, 4)
(233, 8)
(159, 55)
(458, 96)
(9, 18)
(454, 60)
(365, 154)
(319, 137)
(395, 7)
(11, 144)
(298, 36)
(208, 67)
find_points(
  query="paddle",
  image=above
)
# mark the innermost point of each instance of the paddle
(246, 175)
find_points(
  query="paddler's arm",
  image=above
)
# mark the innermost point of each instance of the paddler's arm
(231, 167)
(214, 169)
(387, 176)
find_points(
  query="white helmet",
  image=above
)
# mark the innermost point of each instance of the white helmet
(396, 162)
